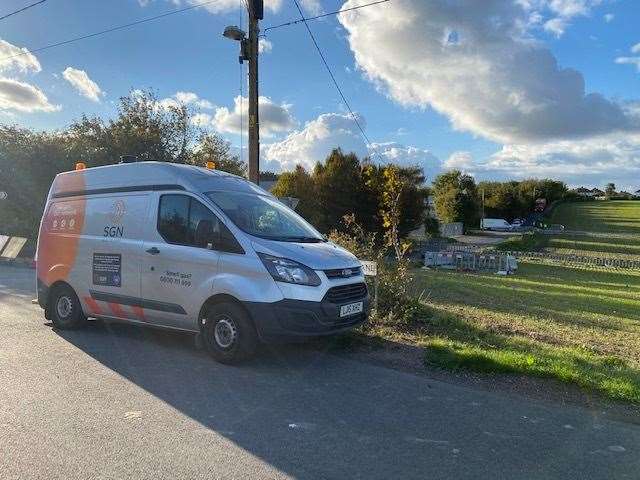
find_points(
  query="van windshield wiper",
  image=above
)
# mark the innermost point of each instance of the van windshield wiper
(303, 239)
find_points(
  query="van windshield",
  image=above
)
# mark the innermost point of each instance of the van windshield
(265, 217)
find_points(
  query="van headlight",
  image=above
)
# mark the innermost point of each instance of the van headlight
(288, 271)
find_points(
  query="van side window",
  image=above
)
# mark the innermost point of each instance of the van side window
(185, 221)
(173, 218)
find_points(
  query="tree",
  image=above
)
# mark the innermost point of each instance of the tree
(456, 198)
(213, 148)
(339, 188)
(28, 163)
(610, 190)
(150, 130)
(344, 185)
(299, 184)
(412, 197)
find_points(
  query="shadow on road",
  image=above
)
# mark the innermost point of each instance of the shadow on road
(313, 415)
(302, 410)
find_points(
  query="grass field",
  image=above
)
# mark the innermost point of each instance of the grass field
(614, 229)
(578, 325)
(616, 217)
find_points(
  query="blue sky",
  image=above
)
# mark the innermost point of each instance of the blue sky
(487, 98)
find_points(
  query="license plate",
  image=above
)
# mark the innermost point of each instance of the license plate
(351, 309)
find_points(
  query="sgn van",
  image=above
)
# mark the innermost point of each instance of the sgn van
(191, 249)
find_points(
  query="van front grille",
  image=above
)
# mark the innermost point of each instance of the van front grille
(346, 293)
(343, 272)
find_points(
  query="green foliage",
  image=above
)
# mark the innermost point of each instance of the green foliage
(396, 305)
(610, 190)
(511, 200)
(431, 227)
(30, 160)
(213, 148)
(456, 198)
(299, 184)
(28, 163)
(344, 185)
(339, 188)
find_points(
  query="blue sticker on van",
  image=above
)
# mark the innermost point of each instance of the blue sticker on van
(107, 269)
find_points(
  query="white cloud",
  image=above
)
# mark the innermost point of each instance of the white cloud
(191, 98)
(202, 120)
(274, 118)
(17, 59)
(629, 61)
(314, 142)
(393, 152)
(83, 84)
(264, 46)
(600, 159)
(23, 97)
(312, 6)
(555, 16)
(186, 98)
(494, 81)
(609, 17)
(556, 26)
(459, 160)
(220, 6)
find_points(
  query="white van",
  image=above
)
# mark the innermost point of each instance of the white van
(191, 249)
(496, 224)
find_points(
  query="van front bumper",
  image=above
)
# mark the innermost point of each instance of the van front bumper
(300, 318)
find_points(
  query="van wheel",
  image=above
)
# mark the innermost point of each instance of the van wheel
(65, 308)
(228, 333)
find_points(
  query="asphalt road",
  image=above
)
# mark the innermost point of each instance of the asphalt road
(116, 401)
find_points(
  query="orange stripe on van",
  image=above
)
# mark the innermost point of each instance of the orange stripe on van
(117, 310)
(60, 231)
(139, 312)
(93, 306)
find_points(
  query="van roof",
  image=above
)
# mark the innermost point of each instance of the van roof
(149, 175)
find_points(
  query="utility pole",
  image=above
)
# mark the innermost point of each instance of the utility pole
(256, 13)
(482, 221)
(249, 50)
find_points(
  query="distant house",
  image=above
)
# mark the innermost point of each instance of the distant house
(637, 194)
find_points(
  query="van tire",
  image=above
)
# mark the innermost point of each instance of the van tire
(228, 333)
(65, 308)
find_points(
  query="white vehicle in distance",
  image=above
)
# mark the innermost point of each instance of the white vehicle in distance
(496, 225)
(191, 249)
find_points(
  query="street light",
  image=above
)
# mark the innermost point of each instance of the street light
(234, 33)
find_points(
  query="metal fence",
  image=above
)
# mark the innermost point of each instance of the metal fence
(583, 260)
(562, 258)
(471, 261)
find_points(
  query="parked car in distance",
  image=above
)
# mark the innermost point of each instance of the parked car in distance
(496, 225)
(191, 249)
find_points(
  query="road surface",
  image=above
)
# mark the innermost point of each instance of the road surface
(116, 401)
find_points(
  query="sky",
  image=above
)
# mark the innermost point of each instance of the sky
(501, 89)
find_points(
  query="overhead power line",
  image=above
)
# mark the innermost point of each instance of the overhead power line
(109, 30)
(333, 78)
(22, 9)
(335, 12)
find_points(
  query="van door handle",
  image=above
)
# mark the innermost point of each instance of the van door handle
(153, 251)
